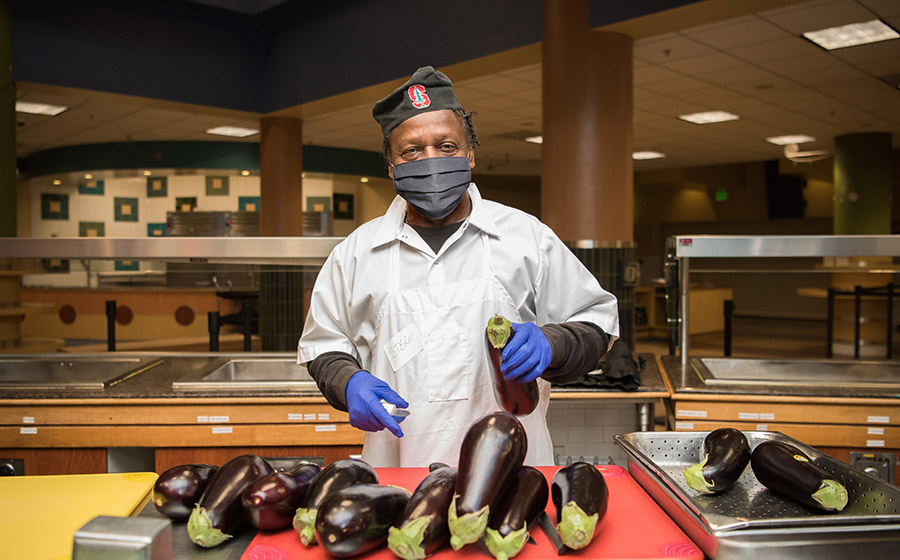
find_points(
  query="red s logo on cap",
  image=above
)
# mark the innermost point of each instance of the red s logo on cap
(418, 96)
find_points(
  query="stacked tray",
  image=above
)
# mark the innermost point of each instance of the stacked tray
(750, 521)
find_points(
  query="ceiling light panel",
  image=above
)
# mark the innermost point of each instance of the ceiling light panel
(790, 139)
(852, 34)
(709, 117)
(39, 108)
(233, 131)
(647, 155)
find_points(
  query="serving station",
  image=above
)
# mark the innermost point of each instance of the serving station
(846, 407)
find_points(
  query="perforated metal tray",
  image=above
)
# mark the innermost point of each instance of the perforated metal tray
(748, 518)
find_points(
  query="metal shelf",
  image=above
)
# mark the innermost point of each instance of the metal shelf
(308, 251)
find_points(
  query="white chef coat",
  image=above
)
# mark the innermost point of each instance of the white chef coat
(544, 281)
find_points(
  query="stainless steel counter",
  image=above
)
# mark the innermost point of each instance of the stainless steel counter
(782, 377)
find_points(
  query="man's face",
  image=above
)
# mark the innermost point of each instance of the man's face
(432, 134)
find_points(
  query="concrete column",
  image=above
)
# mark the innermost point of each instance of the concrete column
(280, 166)
(862, 184)
(281, 306)
(587, 184)
(862, 206)
(7, 126)
(587, 170)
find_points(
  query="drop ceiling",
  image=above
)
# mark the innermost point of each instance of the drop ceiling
(757, 66)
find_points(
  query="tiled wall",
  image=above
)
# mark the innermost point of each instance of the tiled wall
(586, 429)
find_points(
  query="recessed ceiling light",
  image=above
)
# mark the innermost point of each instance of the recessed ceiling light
(535, 139)
(39, 108)
(235, 131)
(88, 176)
(363, 179)
(147, 173)
(852, 34)
(790, 139)
(57, 182)
(245, 172)
(647, 154)
(709, 117)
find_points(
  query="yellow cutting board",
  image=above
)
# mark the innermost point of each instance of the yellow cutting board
(42, 513)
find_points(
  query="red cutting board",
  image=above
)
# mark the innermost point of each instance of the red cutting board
(633, 527)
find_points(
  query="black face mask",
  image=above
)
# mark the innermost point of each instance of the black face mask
(433, 186)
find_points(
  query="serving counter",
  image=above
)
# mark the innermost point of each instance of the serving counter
(177, 405)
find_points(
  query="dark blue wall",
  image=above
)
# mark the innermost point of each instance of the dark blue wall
(296, 52)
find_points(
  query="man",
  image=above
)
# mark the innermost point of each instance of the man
(399, 309)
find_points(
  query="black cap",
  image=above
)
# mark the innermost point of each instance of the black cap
(427, 90)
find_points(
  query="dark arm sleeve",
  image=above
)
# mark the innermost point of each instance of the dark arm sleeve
(332, 371)
(577, 347)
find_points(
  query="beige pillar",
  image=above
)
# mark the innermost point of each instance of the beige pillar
(280, 166)
(587, 171)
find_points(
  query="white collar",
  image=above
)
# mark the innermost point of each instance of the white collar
(393, 220)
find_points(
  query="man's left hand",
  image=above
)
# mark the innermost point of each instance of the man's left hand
(526, 355)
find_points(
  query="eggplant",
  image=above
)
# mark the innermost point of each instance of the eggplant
(580, 495)
(786, 470)
(335, 476)
(514, 397)
(178, 489)
(725, 455)
(220, 511)
(516, 513)
(356, 519)
(422, 527)
(492, 452)
(272, 500)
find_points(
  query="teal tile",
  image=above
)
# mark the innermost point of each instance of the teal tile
(157, 187)
(248, 203)
(217, 186)
(91, 229)
(126, 209)
(91, 187)
(54, 206)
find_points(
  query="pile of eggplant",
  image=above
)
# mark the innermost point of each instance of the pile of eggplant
(217, 502)
(779, 466)
(492, 498)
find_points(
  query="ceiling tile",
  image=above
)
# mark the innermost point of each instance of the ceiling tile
(737, 32)
(811, 16)
(666, 48)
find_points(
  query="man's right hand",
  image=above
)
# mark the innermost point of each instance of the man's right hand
(364, 394)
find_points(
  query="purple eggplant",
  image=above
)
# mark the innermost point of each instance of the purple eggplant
(336, 476)
(178, 489)
(516, 512)
(357, 519)
(580, 495)
(492, 452)
(422, 528)
(514, 397)
(786, 470)
(725, 455)
(272, 500)
(220, 512)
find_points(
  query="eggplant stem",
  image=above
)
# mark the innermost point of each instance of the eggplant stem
(305, 524)
(576, 528)
(506, 547)
(466, 528)
(200, 529)
(498, 331)
(406, 542)
(693, 475)
(831, 494)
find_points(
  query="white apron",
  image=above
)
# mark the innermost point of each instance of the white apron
(448, 382)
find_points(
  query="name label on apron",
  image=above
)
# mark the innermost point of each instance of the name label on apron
(403, 346)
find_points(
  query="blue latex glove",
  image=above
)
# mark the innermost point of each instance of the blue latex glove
(364, 394)
(526, 355)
